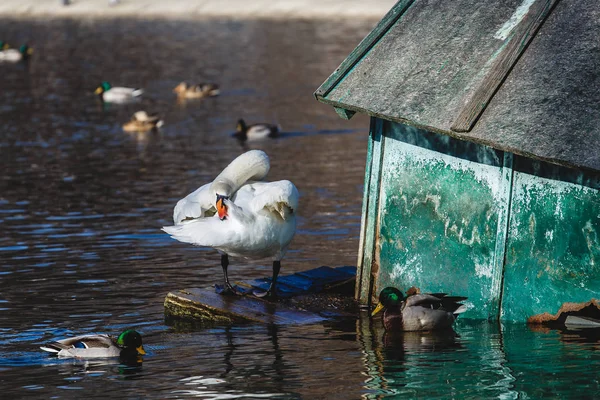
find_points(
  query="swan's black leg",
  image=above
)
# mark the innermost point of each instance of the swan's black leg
(272, 292)
(224, 264)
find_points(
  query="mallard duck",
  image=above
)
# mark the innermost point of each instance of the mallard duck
(255, 131)
(14, 55)
(141, 121)
(240, 216)
(117, 95)
(196, 91)
(127, 344)
(418, 312)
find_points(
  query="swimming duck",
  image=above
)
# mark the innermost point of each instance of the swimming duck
(141, 121)
(14, 55)
(127, 344)
(418, 312)
(119, 95)
(255, 131)
(240, 215)
(196, 91)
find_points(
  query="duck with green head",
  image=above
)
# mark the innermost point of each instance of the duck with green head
(8, 54)
(116, 94)
(127, 344)
(418, 312)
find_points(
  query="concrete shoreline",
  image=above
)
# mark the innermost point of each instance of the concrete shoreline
(190, 9)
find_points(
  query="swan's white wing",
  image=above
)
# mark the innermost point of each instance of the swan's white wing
(280, 197)
(194, 205)
(209, 232)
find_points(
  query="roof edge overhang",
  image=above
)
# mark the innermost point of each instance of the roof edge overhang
(455, 135)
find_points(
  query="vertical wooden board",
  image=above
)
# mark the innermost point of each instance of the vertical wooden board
(553, 249)
(369, 212)
(441, 203)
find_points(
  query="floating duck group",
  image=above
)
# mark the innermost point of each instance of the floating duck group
(142, 121)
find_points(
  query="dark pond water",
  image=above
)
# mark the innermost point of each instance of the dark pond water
(82, 203)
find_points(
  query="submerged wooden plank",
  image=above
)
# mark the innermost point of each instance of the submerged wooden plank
(206, 305)
(512, 49)
(314, 280)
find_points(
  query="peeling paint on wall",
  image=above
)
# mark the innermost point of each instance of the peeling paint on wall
(468, 220)
(553, 248)
(439, 218)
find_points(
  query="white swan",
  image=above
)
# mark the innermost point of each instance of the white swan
(239, 215)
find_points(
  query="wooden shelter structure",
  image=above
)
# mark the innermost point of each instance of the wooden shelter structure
(483, 166)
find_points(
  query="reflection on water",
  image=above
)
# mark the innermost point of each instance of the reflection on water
(82, 203)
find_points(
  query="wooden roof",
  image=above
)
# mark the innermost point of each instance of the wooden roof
(517, 75)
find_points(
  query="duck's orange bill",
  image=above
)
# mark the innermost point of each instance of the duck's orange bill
(141, 350)
(377, 309)
(221, 209)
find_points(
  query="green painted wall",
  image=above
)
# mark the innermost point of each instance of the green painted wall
(553, 249)
(458, 217)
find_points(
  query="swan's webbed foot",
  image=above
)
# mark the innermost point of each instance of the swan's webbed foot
(227, 290)
(269, 294)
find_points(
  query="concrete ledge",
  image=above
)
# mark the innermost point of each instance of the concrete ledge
(189, 9)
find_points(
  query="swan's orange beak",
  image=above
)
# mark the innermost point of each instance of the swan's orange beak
(221, 207)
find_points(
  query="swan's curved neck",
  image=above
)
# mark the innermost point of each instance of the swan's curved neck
(252, 165)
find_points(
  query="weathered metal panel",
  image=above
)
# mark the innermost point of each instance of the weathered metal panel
(443, 205)
(553, 248)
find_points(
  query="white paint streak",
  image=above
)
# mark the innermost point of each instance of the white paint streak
(410, 271)
(483, 270)
(514, 20)
(591, 238)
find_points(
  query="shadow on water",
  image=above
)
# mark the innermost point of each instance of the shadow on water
(82, 203)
